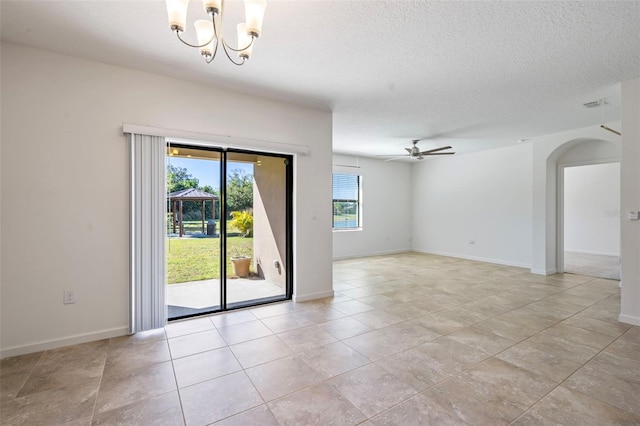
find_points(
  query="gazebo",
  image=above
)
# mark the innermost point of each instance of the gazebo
(177, 198)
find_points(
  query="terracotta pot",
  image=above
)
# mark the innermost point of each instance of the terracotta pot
(241, 266)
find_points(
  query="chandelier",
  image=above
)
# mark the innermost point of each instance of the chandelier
(210, 32)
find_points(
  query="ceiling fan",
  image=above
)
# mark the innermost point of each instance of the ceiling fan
(414, 152)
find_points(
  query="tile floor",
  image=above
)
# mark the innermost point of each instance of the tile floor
(408, 340)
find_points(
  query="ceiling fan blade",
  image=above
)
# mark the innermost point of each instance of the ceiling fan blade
(435, 150)
(438, 153)
(395, 155)
(408, 150)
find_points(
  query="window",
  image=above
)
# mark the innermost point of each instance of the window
(346, 201)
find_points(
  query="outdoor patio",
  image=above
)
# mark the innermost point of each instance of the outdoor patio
(197, 295)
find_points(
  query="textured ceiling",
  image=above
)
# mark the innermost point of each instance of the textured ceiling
(475, 75)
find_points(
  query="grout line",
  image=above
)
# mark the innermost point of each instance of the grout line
(28, 376)
(104, 367)
(572, 374)
(175, 379)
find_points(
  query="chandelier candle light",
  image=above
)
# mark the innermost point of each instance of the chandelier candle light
(210, 33)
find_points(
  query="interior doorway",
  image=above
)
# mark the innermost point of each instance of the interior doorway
(228, 229)
(591, 219)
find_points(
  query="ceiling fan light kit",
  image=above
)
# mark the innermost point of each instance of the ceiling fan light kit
(210, 32)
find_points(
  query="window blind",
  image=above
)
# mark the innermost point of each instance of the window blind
(346, 201)
(345, 187)
(148, 306)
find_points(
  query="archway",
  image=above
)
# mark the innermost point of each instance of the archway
(583, 153)
(590, 144)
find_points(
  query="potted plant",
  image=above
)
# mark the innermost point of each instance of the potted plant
(242, 221)
(241, 264)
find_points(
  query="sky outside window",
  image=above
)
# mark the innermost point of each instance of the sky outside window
(207, 171)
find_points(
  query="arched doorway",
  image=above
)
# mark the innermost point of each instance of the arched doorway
(586, 145)
(588, 217)
(581, 153)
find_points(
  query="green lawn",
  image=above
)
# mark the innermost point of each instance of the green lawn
(194, 259)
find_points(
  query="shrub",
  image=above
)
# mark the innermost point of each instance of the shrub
(243, 222)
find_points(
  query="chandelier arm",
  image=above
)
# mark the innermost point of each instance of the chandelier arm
(224, 47)
(213, 55)
(195, 45)
(253, 38)
(224, 44)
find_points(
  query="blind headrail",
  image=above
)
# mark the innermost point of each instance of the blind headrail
(222, 141)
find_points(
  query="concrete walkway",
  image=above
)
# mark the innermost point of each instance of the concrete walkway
(206, 293)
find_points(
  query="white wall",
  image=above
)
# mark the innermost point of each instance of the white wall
(65, 186)
(386, 208)
(484, 197)
(591, 209)
(630, 201)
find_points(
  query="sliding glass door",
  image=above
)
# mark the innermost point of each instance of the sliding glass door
(193, 243)
(228, 229)
(256, 237)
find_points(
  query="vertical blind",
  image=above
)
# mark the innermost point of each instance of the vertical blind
(148, 306)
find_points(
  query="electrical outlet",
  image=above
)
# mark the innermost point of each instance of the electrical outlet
(69, 297)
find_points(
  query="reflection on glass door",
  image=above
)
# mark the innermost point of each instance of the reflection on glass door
(193, 243)
(228, 229)
(256, 234)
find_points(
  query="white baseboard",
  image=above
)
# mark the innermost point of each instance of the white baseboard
(312, 296)
(544, 271)
(629, 319)
(371, 254)
(64, 341)
(476, 258)
(597, 253)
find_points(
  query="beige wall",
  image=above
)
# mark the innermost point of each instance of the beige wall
(65, 187)
(269, 219)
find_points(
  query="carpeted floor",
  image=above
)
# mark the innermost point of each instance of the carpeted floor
(592, 265)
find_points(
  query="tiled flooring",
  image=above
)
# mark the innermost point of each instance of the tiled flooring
(408, 340)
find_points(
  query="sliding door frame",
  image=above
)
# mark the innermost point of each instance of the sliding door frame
(288, 294)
